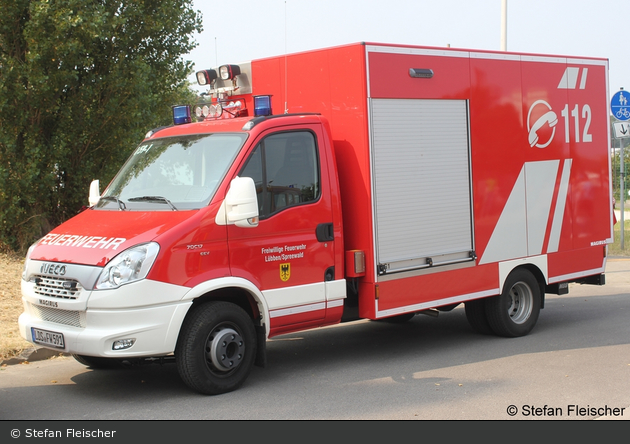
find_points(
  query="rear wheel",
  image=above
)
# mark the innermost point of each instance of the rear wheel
(477, 318)
(216, 348)
(515, 311)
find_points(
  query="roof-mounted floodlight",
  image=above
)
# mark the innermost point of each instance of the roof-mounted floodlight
(228, 72)
(262, 106)
(181, 114)
(206, 76)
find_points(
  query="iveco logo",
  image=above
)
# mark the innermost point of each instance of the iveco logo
(56, 269)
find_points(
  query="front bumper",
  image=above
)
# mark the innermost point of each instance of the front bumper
(147, 311)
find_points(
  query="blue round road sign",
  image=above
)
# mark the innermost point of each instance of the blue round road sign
(620, 105)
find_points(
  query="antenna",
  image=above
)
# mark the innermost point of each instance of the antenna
(286, 79)
(503, 25)
(216, 54)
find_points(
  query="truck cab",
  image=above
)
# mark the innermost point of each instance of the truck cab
(239, 214)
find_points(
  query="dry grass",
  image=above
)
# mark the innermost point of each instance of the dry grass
(11, 343)
(615, 249)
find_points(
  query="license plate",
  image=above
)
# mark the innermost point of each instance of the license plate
(49, 338)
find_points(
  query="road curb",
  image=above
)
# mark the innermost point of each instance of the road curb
(32, 355)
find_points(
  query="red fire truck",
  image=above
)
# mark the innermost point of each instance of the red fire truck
(366, 181)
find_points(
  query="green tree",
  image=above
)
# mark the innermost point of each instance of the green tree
(81, 82)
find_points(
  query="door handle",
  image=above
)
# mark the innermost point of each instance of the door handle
(325, 232)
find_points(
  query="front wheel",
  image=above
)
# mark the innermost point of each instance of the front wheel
(515, 311)
(216, 348)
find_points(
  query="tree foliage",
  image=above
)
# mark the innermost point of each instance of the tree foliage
(81, 82)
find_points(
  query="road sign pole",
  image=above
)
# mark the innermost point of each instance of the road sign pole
(622, 189)
(620, 108)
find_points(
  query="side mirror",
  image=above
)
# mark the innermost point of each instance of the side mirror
(240, 206)
(95, 194)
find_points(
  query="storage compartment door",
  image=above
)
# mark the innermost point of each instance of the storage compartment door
(421, 182)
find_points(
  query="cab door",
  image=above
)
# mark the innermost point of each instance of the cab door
(290, 254)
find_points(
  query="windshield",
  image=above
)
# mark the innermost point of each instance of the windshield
(175, 173)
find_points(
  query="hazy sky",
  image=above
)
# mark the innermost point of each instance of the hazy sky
(243, 30)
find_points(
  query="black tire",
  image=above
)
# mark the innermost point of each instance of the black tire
(477, 318)
(515, 311)
(99, 363)
(216, 348)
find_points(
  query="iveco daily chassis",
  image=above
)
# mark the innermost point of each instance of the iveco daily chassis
(391, 180)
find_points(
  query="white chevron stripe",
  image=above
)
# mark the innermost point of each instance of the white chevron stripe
(570, 78)
(583, 79)
(520, 230)
(558, 214)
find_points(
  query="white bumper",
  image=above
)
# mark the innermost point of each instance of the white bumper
(150, 312)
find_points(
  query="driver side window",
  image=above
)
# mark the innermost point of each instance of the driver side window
(285, 169)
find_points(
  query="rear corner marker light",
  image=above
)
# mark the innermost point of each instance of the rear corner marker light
(421, 73)
(181, 114)
(262, 106)
(228, 72)
(206, 76)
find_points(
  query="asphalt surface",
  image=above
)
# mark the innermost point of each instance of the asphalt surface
(620, 266)
(427, 369)
(39, 353)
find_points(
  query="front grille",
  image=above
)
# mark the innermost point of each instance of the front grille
(55, 287)
(66, 317)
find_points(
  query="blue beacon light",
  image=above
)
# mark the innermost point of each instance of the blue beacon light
(262, 106)
(181, 114)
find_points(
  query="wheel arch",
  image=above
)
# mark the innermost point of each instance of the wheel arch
(237, 291)
(536, 265)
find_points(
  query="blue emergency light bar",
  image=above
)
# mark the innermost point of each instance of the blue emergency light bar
(262, 106)
(181, 114)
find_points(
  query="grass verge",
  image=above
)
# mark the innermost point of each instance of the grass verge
(11, 343)
(614, 249)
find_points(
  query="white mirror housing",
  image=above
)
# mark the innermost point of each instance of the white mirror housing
(240, 206)
(95, 194)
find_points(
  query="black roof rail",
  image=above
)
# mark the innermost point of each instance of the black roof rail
(256, 120)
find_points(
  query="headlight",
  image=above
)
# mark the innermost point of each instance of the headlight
(131, 265)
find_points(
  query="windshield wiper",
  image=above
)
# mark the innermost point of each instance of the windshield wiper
(121, 204)
(155, 199)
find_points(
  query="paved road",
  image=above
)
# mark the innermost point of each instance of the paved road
(578, 356)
